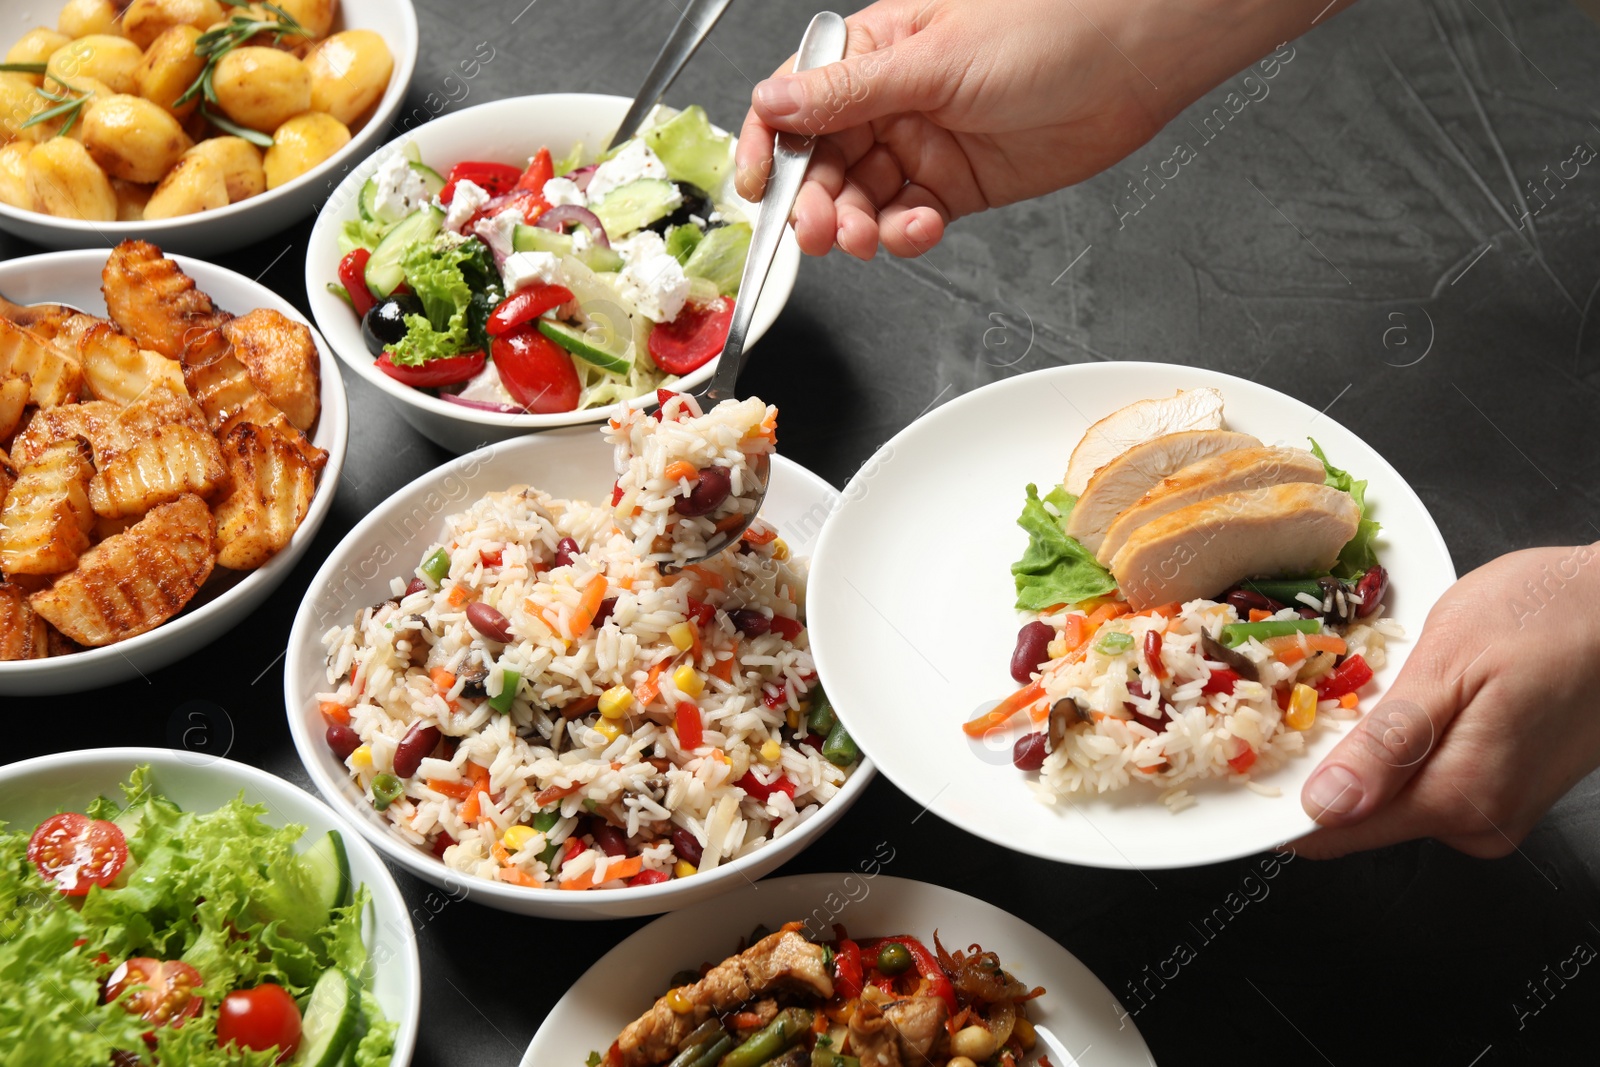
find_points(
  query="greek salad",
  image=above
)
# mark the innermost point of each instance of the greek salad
(551, 285)
(201, 939)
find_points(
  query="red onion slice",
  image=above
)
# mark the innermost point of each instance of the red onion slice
(484, 405)
(582, 176)
(557, 218)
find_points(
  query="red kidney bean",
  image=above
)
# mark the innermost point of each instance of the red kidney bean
(416, 585)
(712, 489)
(603, 612)
(342, 740)
(566, 550)
(686, 846)
(1033, 650)
(1243, 600)
(650, 878)
(488, 621)
(1028, 753)
(1371, 588)
(609, 839)
(1152, 654)
(750, 622)
(418, 742)
(442, 842)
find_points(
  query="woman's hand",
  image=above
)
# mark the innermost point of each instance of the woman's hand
(1495, 716)
(943, 108)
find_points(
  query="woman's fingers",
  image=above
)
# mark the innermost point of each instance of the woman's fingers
(912, 222)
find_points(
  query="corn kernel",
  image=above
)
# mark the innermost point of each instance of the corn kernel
(683, 869)
(771, 751)
(679, 1003)
(615, 702)
(682, 636)
(1057, 648)
(780, 549)
(516, 838)
(361, 757)
(609, 730)
(1302, 707)
(688, 681)
(792, 717)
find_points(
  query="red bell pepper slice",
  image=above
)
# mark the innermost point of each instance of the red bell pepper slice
(1350, 676)
(760, 790)
(785, 627)
(701, 612)
(691, 730)
(1221, 680)
(492, 178)
(848, 978)
(540, 170)
(525, 305)
(353, 276)
(939, 984)
(447, 370)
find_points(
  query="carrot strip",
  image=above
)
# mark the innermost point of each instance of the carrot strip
(501, 855)
(334, 712)
(712, 579)
(589, 604)
(760, 537)
(472, 807)
(723, 668)
(679, 470)
(728, 522)
(1004, 710)
(581, 706)
(650, 688)
(458, 595)
(555, 793)
(516, 876)
(623, 868)
(1349, 700)
(445, 787)
(443, 680)
(1076, 633)
(1256, 614)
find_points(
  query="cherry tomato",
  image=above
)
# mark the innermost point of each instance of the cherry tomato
(532, 205)
(157, 991)
(540, 170)
(693, 338)
(450, 370)
(353, 276)
(525, 305)
(76, 852)
(536, 371)
(258, 1019)
(492, 178)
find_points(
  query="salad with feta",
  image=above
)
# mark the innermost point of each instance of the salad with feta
(550, 285)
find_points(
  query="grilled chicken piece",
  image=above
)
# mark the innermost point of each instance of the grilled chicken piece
(781, 962)
(23, 634)
(135, 581)
(1202, 549)
(53, 376)
(1230, 472)
(45, 520)
(282, 361)
(902, 1033)
(151, 298)
(1120, 483)
(1189, 409)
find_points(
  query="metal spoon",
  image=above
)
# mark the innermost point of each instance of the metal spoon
(823, 43)
(28, 314)
(694, 25)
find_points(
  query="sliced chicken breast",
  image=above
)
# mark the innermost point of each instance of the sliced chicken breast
(1188, 409)
(1230, 472)
(1119, 484)
(1201, 550)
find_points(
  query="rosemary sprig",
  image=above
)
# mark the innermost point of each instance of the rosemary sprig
(214, 44)
(255, 137)
(65, 105)
(22, 68)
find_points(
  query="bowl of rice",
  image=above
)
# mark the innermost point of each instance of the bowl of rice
(490, 683)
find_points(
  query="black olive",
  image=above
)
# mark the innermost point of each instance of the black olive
(385, 323)
(695, 202)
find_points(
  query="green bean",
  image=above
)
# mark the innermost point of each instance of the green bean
(840, 748)
(822, 718)
(1284, 590)
(386, 789)
(509, 680)
(1113, 643)
(694, 1047)
(1237, 633)
(713, 1053)
(546, 821)
(771, 1040)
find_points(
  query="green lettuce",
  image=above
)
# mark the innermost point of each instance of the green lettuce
(569, 162)
(1055, 569)
(459, 288)
(1358, 556)
(692, 151)
(362, 233)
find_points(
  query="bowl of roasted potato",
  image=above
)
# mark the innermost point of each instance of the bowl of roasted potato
(171, 436)
(201, 125)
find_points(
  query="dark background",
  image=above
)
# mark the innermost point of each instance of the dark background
(1407, 301)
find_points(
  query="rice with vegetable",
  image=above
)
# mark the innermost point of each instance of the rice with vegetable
(541, 706)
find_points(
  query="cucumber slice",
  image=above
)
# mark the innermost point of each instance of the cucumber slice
(329, 1022)
(366, 202)
(597, 346)
(534, 239)
(384, 273)
(719, 257)
(432, 180)
(330, 870)
(636, 205)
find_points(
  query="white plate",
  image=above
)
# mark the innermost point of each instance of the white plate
(502, 131)
(573, 464)
(248, 221)
(911, 603)
(1076, 1007)
(227, 598)
(34, 789)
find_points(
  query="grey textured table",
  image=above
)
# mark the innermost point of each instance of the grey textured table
(1349, 237)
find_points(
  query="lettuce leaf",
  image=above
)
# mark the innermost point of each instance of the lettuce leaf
(362, 233)
(692, 151)
(1055, 569)
(459, 287)
(569, 162)
(1358, 555)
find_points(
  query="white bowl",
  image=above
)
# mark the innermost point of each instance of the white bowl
(248, 221)
(227, 598)
(389, 542)
(502, 131)
(35, 789)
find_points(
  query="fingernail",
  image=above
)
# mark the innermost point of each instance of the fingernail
(780, 96)
(1333, 791)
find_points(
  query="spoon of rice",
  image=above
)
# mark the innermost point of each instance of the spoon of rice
(659, 455)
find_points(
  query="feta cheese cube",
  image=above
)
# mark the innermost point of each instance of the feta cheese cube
(400, 190)
(634, 162)
(527, 268)
(500, 231)
(656, 285)
(469, 198)
(559, 191)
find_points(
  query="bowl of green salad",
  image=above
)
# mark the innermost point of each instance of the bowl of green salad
(194, 912)
(493, 272)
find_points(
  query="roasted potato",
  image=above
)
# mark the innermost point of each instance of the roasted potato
(136, 580)
(18, 103)
(45, 521)
(281, 359)
(53, 376)
(240, 162)
(92, 421)
(13, 399)
(36, 46)
(316, 16)
(23, 634)
(64, 180)
(272, 485)
(110, 429)
(302, 143)
(350, 72)
(14, 175)
(115, 368)
(131, 199)
(146, 20)
(222, 388)
(8, 476)
(178, 459)
(261, 88)
(195, 184)
(167, 70)
(81, 18)
(132, 138)
(112, 60)
(70, 124)
(154, 301)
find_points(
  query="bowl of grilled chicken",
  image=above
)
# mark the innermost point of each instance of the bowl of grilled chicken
(171, 434)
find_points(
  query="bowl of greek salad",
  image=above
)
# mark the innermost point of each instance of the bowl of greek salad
(197, 912)
(495, 273)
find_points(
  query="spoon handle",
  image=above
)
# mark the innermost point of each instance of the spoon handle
(823, 43)
(694, 25)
